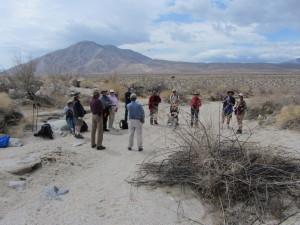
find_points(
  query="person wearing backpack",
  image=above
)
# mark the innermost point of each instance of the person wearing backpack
(127, 101)
(113, 109)
(154, 101)
(68, 110)
(174, 98)
(195, 104)
(97, 108)
(239, 111)
(78, 111)
(227, 110)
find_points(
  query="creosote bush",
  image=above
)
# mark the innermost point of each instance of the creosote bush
(289, 117)
(245, 181)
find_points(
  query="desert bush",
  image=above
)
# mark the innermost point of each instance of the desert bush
(87, 84)
(165, 95)
(289, 117)
(6, 105)
(246, 182)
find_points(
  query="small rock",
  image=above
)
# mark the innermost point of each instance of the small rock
(18, 185)
(77, 144)
(54, 192)
(15, 142)
(22, 178)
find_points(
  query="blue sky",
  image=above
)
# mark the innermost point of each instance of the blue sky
(178, 30)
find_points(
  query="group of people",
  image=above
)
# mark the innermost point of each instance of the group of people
(104, 105)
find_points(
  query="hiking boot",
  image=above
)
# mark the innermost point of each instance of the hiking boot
(106, 130)
(155, 122)
(140, 149)
(79, 136)
(129, 148)
(151, 122)
(101, 148)
(239, 131)
(93, 146)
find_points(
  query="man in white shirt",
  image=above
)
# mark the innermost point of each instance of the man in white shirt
(113, 109)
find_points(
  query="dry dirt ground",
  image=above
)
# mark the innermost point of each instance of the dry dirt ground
(99, 193)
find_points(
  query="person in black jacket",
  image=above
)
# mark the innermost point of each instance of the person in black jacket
(107, 104)
(78, 111)
(127, 101)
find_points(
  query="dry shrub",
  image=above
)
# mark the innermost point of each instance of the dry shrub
(289, 117)
(118, 88)
(165, 95)
(6, 105)
(87, 84)
(246, 182)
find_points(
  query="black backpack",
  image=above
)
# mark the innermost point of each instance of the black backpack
(84, 127)
(123, 125)
(45, 131)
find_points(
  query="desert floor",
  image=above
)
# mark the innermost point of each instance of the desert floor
(99, 192)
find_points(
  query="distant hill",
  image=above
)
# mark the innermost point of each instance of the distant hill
(294, 61)
(90, 58)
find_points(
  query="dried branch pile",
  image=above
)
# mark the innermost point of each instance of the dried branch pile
(247, 182)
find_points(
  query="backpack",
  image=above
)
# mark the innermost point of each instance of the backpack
(69, 113)
(84, 127)
(4, 141)
(123, 125)
(45, 131)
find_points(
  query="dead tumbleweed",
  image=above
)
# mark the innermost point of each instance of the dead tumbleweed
(246, 182)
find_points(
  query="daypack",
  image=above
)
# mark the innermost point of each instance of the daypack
(69, 113)
(4, 141)
(84, 127)
(45, 131)
(229, 109)
(123, 125)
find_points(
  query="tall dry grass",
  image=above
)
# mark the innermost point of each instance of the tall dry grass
(289, 117)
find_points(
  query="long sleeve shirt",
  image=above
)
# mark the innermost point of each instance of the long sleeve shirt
(106, 101)
(96, 106)
(78, 109)
(196, 103)
(127, 97)
(154, 101)
(114, 100)
(135, 111)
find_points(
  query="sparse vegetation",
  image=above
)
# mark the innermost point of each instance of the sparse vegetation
(289, 117)
(87, 84)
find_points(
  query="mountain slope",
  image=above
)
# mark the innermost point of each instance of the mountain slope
(90, 58)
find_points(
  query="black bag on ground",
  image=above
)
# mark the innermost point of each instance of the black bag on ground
(84, 127)
(123, 125)
(45, 131)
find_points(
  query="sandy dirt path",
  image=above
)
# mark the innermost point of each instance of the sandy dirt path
(99, 193)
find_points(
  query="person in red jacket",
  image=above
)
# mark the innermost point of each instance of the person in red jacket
(154, 101)
(195, 104)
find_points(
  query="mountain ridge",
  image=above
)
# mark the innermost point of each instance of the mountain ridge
(87, 57)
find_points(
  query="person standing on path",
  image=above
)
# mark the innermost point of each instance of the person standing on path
(154, 101)
(227, 110)
(78, 111)
(136, 121)
(174, 98)
(107, 105)
(239, 111)
(127, 101)
(195, 104)
(97, 108)
(68, 110)
(113, 109)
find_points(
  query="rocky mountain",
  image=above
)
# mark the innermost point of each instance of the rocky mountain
(90, 58)
(294, 61)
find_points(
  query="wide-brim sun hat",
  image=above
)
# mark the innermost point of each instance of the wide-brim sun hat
(77, 94)
(96, 92)
(230, 92)
(103, 90)
(195, 93)
(70, 101)
(241, 94)
(112, 91)
(174, 90)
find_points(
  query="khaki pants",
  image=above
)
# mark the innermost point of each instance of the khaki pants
(135, 125)
(112, 112)
(97, 125)
(153, 114)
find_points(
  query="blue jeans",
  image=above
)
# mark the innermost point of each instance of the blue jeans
(71, 123)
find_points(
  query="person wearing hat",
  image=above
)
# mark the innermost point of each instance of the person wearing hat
(195, 104)
(68, 110)
(107, 105)
(97, 108)
(78, 111)
(239, 111)
(127, 101)
(154, 101)
(113, 109)
(136, 120)
(174, 98)
(227, 110)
